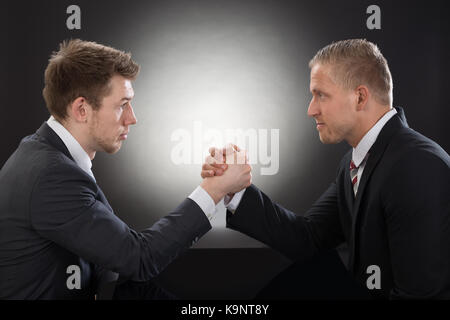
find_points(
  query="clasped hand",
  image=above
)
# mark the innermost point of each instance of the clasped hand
(226, 171)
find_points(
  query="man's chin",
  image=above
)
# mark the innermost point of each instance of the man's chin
(113, 148)
(328, 140)
(114, 151)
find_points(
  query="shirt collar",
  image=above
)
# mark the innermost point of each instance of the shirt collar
(78, 154)
(360, 152)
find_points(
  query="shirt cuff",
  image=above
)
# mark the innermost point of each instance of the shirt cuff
(234, 203)
(204, 201)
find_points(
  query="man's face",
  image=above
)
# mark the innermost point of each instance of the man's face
(333, 107)
(109, 124)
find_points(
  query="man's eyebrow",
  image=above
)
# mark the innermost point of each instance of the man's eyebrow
(126, 98)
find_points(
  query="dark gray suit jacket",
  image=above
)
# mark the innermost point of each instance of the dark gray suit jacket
(53, 215)
(399, 220)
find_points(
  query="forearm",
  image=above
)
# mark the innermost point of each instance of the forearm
(169, 237)
(260, 218)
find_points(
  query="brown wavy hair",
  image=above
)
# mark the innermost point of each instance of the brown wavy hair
(83, 69)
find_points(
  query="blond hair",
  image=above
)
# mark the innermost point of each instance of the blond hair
(357, 62)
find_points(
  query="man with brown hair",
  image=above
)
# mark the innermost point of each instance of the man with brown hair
(390, 201)
(58, 234)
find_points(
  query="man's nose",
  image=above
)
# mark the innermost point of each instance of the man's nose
(131, 117)
(313, 110)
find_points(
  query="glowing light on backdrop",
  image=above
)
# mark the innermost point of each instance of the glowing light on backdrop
(225, 75)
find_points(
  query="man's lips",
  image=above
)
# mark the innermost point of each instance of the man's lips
(123, 136)
(320, 125)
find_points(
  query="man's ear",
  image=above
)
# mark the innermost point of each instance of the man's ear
(362, 96)
(79, 109)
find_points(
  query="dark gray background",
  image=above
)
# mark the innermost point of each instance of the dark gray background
(258, 50)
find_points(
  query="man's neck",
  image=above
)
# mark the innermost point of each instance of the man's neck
(367, 125)
(79, 136)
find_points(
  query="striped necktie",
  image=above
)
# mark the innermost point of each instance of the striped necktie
(354, 176)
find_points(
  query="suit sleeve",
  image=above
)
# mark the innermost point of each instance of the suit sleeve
(294, 235)
(417, 209)
(64, 208)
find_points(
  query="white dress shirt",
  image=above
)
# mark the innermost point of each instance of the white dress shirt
(81, 158)
(77, 152)
(204, 201)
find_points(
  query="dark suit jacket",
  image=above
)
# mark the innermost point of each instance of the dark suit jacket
(399, 221)
(53, 215)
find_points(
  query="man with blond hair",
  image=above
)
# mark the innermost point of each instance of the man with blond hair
(390, 200)
(59, 237)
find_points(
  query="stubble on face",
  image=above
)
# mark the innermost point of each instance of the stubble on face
(109, 124)
(334, 119)
(103, 141)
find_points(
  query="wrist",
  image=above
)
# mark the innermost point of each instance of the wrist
(212, 189)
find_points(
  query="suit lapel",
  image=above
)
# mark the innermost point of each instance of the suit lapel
(348, 188)
(371, 164)
(375, 154)
(55, 141)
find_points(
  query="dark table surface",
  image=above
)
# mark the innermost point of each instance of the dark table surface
(242, 274)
